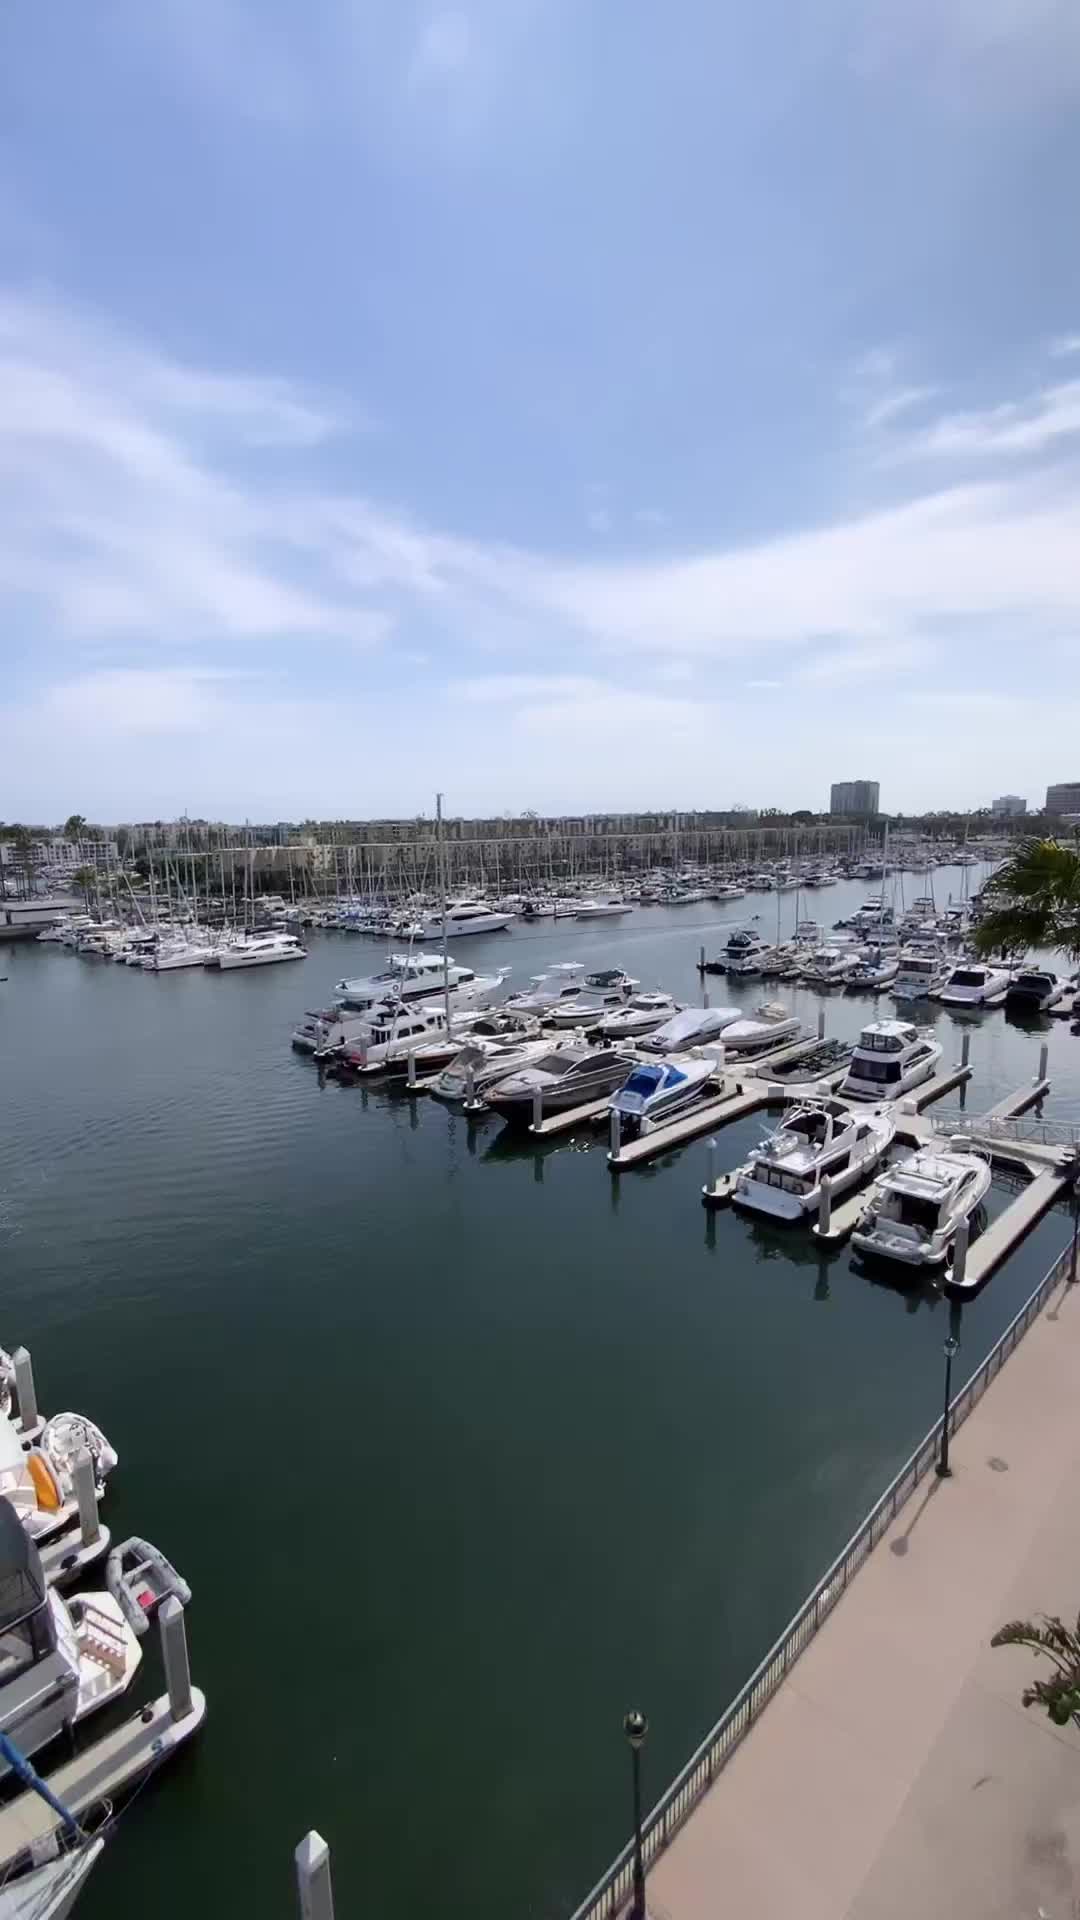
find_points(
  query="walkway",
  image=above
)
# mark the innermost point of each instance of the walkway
(895, 1772)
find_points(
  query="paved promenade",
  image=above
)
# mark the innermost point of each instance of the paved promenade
(895, 1773)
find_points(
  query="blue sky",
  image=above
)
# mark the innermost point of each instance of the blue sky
(565, 403)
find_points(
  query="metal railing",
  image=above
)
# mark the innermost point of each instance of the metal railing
(1021, 1127)
(614, 1888)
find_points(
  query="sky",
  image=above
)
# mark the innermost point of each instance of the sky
(565, 404)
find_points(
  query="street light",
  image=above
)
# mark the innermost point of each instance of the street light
(952, 1348)
(635, 1726)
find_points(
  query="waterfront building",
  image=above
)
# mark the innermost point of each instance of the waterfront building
(854, 797)
(1007, 806)
(1063, 797)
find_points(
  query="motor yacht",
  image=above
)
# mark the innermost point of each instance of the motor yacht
(1036, 992)
(974, 983)
(912, 1213)
(878, 968)
(565, 1077)
(727, 890)
(257, 950)
(659, 1089)
(829, 966)
(818, 1138)
(601, 909)
(921, 974)
(388, 1037)
(169, 956)
(601, 993)
(641, 1014)
(693, 1027)
(406, 976)
(742, 955)
(548, 989)
(767, 1027)
(558, 994)
(891, 1057)
(326, 1030)
(469, 916)
(66, 930)
(482, 1062)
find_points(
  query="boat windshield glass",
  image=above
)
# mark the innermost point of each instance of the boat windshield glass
(645, 1080)
(557, 1063)
(914, 1211)
(810, 1126)
(880, 1072)
(968, 977)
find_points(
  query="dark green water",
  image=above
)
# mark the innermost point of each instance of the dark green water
(462, 1446)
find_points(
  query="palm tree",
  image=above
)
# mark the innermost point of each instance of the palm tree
(85, 878)
(75, 826)
(1034, 901)
(22, 840)
(1049, 1636)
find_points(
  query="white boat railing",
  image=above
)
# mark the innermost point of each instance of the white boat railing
(614, 1889)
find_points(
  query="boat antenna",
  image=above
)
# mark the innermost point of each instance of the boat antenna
(445, 906)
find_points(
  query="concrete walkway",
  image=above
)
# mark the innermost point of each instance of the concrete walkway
(895, 1775)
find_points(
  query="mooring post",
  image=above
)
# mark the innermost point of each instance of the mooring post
(616, 1133)
(1044, 1056)
(821, 1023)
(701, 960)
(470, 1084)
(174, 1653)
(710, 1176)
(24, 1388)
(538, 1108)
(410, 1071)
(965, 1049)
(824, 1218)
(313, 1882)
(960, 1254)
(86, 1495)
(705, 997)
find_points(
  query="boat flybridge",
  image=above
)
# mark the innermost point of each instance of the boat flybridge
(913, 1212)
(820, 1137)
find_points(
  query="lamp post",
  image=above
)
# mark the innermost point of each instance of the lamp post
(635, 1727)
(943, 1469)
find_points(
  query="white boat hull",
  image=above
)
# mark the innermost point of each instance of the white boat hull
(229, 962)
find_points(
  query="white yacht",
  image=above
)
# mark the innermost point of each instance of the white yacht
(783, 1178)
(482, 1062)
(406, 976)
(659, 1089)
(327, 1030)
(469, 916)
(912, 1213)
(829, 966)
(601, 993)
(67, 929)
(601, 909)
(564, 1077)
(727, 890)
(974, 983)
(391, 1036)
(642, 1013)
(921, 974)
(693, 1027)
(891, 1057)
(257, 950)
(878, 968)
(768, 1025)
(547, 990)
(742, 955)
(170, 955)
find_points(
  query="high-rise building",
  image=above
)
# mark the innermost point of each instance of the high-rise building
(854, 797)
(1006, 805)
(1064, 797)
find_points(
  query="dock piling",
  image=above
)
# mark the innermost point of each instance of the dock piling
(538, 1107)
(1044, 1056)
(470, 1086)
(313, 1882)
(821, 1023)
(615, 1140)
(410, 1070)
(710, 1166)
(960, 1253)
(24, 1387)
(86, 1495)
(705, 997)
(824, 1218)
(174, 1653)
(965, 1049)
(701, 959)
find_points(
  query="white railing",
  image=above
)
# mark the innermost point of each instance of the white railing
(614, 1889)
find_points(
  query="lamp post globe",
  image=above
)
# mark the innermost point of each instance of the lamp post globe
(951, 1349)
(635, 1727)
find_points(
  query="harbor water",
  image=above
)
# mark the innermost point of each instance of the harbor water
(464, 1446)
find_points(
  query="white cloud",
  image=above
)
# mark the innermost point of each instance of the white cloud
(443, 47)
(889, 407)
(1065, 344)
(1029, 426)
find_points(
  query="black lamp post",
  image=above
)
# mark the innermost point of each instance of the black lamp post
(635, 1727)
(952, 1348)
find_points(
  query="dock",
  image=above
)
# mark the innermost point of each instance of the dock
(702, 1119)
(992, 1247)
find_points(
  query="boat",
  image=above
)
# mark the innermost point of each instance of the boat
(49, 1892)
(468, 916)
(59, 1660)
(170, 955)
(921, 974)
(323, 1029)
(406, 976)
(693, 1027)
(38, 1482)
(828, 966)
(385, 1036)
(600, 994)
(769, 1024)
(727, 890)
(974, 984)
(657, 1090)
(817, 1138)
(742, 955)
(599, 909)
(482, 1062)
(257, 950)
(557, 994)
(139, 1578)
(1036, 992)
(565, 1077)
(912, 1213)
(891, 1057)
(547, 990)
(642, 1013)
(65, 930)
(878, 968)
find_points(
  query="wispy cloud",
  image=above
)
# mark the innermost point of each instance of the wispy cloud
(891, 405)
(1065, 344)
(1025, 427)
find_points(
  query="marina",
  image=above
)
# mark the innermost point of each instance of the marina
(169, 1153)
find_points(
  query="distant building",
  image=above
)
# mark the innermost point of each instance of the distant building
(1064, 797)
(1007, 805)
(854, 797)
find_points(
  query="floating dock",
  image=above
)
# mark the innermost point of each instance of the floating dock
(991, 1248)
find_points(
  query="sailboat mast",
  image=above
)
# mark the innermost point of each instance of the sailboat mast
(445, 906)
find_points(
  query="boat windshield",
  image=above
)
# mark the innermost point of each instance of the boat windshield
(809, 1126)
(555, 1063)
(913, 1211)
(968, 977)
(880, 1072)
(645, 1080)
